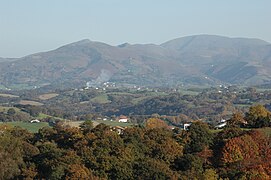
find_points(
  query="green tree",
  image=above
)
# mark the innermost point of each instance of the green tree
(11, 111)
(87, 126)
(11, 156)
(190, 166)
(149, 169)
(257, 116)
(199, 136)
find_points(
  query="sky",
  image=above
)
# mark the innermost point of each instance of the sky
(32, 26)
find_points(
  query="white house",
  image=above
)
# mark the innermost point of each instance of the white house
(186, 126)
(221, 125)
(118, 129)
(35, 121)
(123, 119)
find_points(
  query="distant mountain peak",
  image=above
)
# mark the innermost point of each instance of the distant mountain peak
(124, 45)
(81, 42)
(206, 41)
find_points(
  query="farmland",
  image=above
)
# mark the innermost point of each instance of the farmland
(8, 95)
(48, 96)
(32, 127)
(33, 103)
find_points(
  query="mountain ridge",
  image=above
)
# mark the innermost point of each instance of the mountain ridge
(199, 59)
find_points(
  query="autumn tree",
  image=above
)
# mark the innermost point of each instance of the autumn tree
(258, 116)
(248, 156)
(161, 145)
(79, 171)
(236, 120)
(155, 123)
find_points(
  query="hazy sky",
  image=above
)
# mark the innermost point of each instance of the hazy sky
(29, 26)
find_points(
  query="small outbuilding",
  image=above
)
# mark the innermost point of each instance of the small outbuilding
(35, 121)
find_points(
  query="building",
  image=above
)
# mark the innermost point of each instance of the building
(35, 121)
(123, 119)
(118, 129)
(186, 126)
(221, 125)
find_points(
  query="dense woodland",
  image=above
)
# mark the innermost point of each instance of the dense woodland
(150, 152)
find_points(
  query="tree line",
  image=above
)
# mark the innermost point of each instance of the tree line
(153, 151)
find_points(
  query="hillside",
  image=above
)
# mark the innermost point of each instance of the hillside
(200, 60)
(232, 60)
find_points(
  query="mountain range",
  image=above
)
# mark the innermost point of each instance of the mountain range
(191, 60)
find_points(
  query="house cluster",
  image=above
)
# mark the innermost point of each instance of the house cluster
(220, 125)
(122, 118)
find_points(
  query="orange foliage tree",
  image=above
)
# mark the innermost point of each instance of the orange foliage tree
(156, 123)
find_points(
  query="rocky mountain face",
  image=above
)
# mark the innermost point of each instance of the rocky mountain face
(201, 60)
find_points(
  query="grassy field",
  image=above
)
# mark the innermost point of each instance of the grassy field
(8, 95)
(266, 130)
(78, 123)
(137, 100)
(2, 87)
(242, 105)
(48, 96)
(189, 92)
(42, 116)
(115, 123)
(102, 99)
(32, 127)
(95, 123)
(20, 86)
(33, 103)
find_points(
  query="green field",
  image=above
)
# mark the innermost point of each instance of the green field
(266, 130)
(115, 123)
(2, 87)
(42, 116)
(32, 127)
(102, 99)
(20, 86)
(137, 100)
